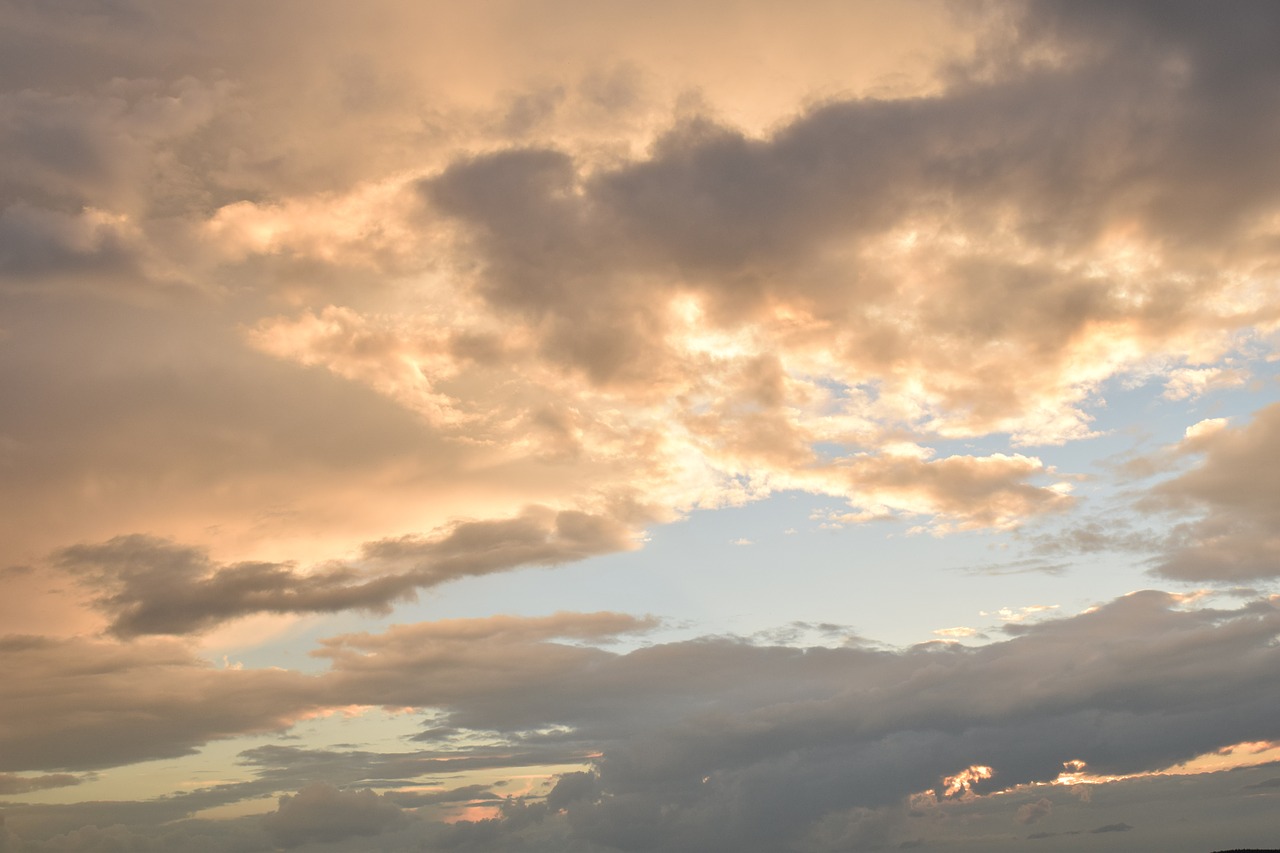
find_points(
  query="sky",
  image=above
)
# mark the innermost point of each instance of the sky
(599, 427)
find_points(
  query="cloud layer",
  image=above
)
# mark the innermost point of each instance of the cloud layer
(309, 313)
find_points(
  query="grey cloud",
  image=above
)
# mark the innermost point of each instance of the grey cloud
(322, 812)
(704, 745)
(154, 586)
(1153, 120)
(94, 149)
(1052, 158)
(539, 536)
(1032, 812)
(1269, 783)
(1235, 538)
(276, 770)
(1098, 535)
(36, 244)
(1111, 827)
(530, 109)
(88, 183)
(286, 767)
(177, 428)
(117, 704)
(572, 787)
(11, 783)
(465, 794)
(757, 742)
(1220, 70)
(857, 829)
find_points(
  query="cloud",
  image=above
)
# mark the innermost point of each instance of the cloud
(85, 704)
(759, 741)
(1269, 783)
(684, 309)
(321, 812)
(1234, 537)
(963, 492)
(1190, 383)
(717, 742)
(1031, 812)
(154, 586)
(309, 309)
(11, 783)
(739, 224)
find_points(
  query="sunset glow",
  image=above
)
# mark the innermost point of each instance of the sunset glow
(549, 426)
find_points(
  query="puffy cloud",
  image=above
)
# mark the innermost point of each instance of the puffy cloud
(1032, 812)
(562, 285)
(1235, 538)
(1189, 382)
(1001, 332)
(962, 491)
(694, 321)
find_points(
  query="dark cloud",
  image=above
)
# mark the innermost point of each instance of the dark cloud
(157, 587)
(83, 704)
(288, 767)
(464, 794)
(1037, 836)
(154, 586)
(11, 783)
(704, 745)
(719, 744)
(1269, 783)
(1055, 159)
(322, 812)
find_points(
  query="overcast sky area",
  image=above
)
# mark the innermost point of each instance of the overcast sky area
(597, 427)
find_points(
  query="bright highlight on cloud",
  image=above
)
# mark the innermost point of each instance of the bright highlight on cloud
(567, 427)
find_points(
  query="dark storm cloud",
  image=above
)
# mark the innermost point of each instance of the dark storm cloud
(154, 586)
